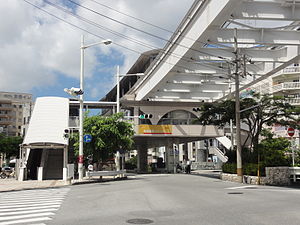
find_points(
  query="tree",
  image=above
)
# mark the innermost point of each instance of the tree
(9, 145)
(109, 134)
(270, 152)
(262, 110)
(273, 151)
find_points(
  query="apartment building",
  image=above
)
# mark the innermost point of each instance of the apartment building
(15, 111)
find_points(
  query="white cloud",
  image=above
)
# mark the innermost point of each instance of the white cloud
(36, 48)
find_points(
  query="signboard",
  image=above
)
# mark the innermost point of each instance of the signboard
(87, 138)
(291, 131)
(155, 129)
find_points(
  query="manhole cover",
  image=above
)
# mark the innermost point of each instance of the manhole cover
(139, 221)
(235, 193)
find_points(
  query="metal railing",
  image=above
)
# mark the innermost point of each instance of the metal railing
(286, 86)
(293, 101)
(295, 69)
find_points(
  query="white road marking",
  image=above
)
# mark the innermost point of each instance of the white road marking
(3, 218)
(29, 200)
(28, 211)
(25, 221)
(33, 204)
(33, 201)
(241, 187)
(30, 207)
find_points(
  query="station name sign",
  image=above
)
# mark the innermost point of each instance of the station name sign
(155, 129)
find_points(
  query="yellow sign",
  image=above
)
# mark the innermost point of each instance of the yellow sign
(155, 129)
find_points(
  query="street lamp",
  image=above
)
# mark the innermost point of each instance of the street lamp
(118, 84)
(79, 92)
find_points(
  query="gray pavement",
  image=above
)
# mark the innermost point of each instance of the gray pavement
(169, 199)
(11, 184)
(14, 185)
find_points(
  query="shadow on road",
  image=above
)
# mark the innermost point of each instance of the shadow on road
(215, 174)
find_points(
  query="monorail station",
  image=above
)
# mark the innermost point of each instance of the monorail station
(220, 46)
(197, 65)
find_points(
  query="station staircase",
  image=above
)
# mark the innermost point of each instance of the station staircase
(226, 142)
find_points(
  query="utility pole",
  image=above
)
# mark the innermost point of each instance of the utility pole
(118, 89)
(237, 111)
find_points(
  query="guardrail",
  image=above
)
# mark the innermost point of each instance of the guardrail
(100, 174)
(294, 173)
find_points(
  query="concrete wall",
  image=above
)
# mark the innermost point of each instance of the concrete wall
(279, 176)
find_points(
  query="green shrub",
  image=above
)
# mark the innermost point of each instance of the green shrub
(131, 164)
(248, 169)
(229, 168)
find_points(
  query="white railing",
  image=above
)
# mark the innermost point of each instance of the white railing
(291, 70)
(218, 153)
(293, 101)
(286, 86)
(294, 173)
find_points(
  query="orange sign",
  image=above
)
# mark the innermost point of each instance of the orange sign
(155, 129)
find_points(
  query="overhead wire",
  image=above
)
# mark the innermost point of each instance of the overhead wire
(152, 47)
(142, 31)
(109, 30)
(133, 17)
(96, 35)
(156, 36)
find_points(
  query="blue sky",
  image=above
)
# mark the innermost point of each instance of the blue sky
(40, 54)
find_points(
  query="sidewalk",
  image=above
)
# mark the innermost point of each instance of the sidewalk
(15, 185)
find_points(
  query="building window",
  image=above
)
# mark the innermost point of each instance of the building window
(179, 117)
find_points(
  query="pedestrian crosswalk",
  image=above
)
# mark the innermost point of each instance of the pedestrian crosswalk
(30, 207)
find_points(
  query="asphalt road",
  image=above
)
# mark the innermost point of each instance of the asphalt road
(178, 200)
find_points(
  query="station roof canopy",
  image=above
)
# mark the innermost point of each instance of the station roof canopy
(197, 63)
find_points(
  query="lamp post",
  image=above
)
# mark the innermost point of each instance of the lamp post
(82, 48)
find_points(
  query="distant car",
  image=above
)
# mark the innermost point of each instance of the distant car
(7, 169)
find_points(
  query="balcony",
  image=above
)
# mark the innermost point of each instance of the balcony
(295, 69)
(286, 86)
(6, 107)
(293, 101)
(6, 115)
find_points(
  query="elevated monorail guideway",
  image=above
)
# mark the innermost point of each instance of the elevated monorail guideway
(267, 34)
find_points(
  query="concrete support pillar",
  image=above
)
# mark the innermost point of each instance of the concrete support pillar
(43, 164)
(186, 152)
(136, 111)
(169, 156)
(142, 156)
(201, 155)
(22, 172)
(40, 173)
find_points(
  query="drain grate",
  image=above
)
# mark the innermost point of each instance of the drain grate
(139, 221)
(235, 193)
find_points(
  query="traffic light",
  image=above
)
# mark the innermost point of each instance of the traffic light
(145, 116)
(196, 109)
(66, 133)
